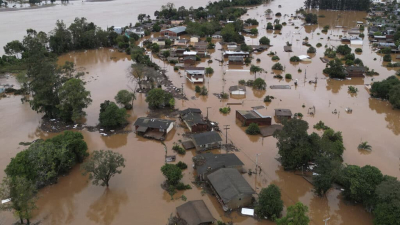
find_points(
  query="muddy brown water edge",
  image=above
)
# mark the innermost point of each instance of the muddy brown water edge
(136, 197)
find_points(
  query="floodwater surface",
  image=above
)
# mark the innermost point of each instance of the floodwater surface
(135, 196)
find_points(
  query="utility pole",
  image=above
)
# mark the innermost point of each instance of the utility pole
(207, 112)
(326, 220)
(182, 90)
(226, 133)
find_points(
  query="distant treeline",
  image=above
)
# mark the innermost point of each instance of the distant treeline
(360, 5)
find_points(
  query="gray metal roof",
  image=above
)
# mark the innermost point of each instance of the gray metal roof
(248, 114)
(217, 161)
(153, 123)
(177, 30)
(229, 183)
(283, 112)
(206, 138)
(190, 110)
(192, 119)
(237, 88)
(195, 212)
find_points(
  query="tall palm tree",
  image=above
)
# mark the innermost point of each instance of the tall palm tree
(254, 69)
(364, 146)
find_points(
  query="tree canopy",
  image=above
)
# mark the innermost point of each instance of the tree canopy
(102, 166)
(296, 215)
(111, 116)
(158, 98)
(269, 204)
(173, 173)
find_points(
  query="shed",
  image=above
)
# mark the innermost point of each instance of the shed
(355, 71)
(237, 90)
(287, 48)
(235, 53)
(283, 113)
(211, 162)
(252, 116)
(195, 213)
(231, 189)
(207, 140)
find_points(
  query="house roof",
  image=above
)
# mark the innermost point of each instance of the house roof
(283, 112)
(190, 110)
(206, 138)
(194, 68)
(235, 58)
(355, 69)
(287, 48)
(216, 161)
(237, 88)
(229, 183)
(248, 114)
(153, 123)
(192, 119)
(189, 57)
(177, 30)
(235, 53)
(195, 212)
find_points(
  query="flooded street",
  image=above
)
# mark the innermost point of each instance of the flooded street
(135, 196)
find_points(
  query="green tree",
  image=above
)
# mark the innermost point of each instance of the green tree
(294, 59)
(311, 50)
(328, 171)
(270, 26)
(253, 129)
(365, 146)
(255, 69)
(277, 66)
(73, 99)
(335, 69)
(293, 143)
(387, 210)
(172, 172)
(102, 166)
(296, 215)
(387, 58)
(197, 89)
(360, 183)
(141, 17)
(259, 84)
(22, 193)
(165, 54)
(264, 41)
(158, 98)
(269, 204)
(14, 48)
(394, 96)
(343, 49)
(111, 116)
(60, 40)
(155, 48)
(125, 98)
(209, 70)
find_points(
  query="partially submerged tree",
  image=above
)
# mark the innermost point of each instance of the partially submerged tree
(111, 116)
(125, 98)
(264, 41)
(255, 69)
(296, 215)
(158, 98)
(22, 195)
(364, 146)
(253, 129)
(269, 204)
(102, 166)
(259, 84)
(172, 172)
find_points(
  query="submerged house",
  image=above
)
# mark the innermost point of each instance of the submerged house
(195, 74)
(235, 60)
(206, 141)
(153, 127)
(227, 54)
(195, 213)
(230, 188)
(252, 116)
(237, 90)
(174, 31)
(209, 162)
(283, 113)
(355, 71)
(195, 122)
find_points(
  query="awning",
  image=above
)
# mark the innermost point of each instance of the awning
(142, 129)
(248, 212)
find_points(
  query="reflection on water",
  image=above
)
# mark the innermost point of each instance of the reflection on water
(104, 209)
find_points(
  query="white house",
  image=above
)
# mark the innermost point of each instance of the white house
(194, 39)
(231, 46)
(195, 74)
(356, 41)
(190, 53)
(139, 31)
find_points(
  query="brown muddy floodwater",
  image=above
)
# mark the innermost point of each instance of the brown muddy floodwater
(135, 196)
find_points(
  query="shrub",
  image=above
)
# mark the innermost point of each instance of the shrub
(204, 91)
(250, 83)
(271, 53)
(352, 89)
(311, 50)
(278, 27)
(288, 76)
(268, 98)
(264, 41)
(361, 35)
(277, 66)
(224, 95)
(258, 60)
(225, 110)
(278, 76)
(275, 57)
(247, 60)
(319, 45)
(181, 165)
(242, 82)
(197, 89)
(259, 84)
(253, 129)
(176, 68)
(387, 58)
(278, 14)
(209, 70)
(294, 59)
(181, 186)
(299, 70)
(179, 149)
(358, 50)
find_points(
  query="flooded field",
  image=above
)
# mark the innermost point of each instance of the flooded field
(135, 196)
